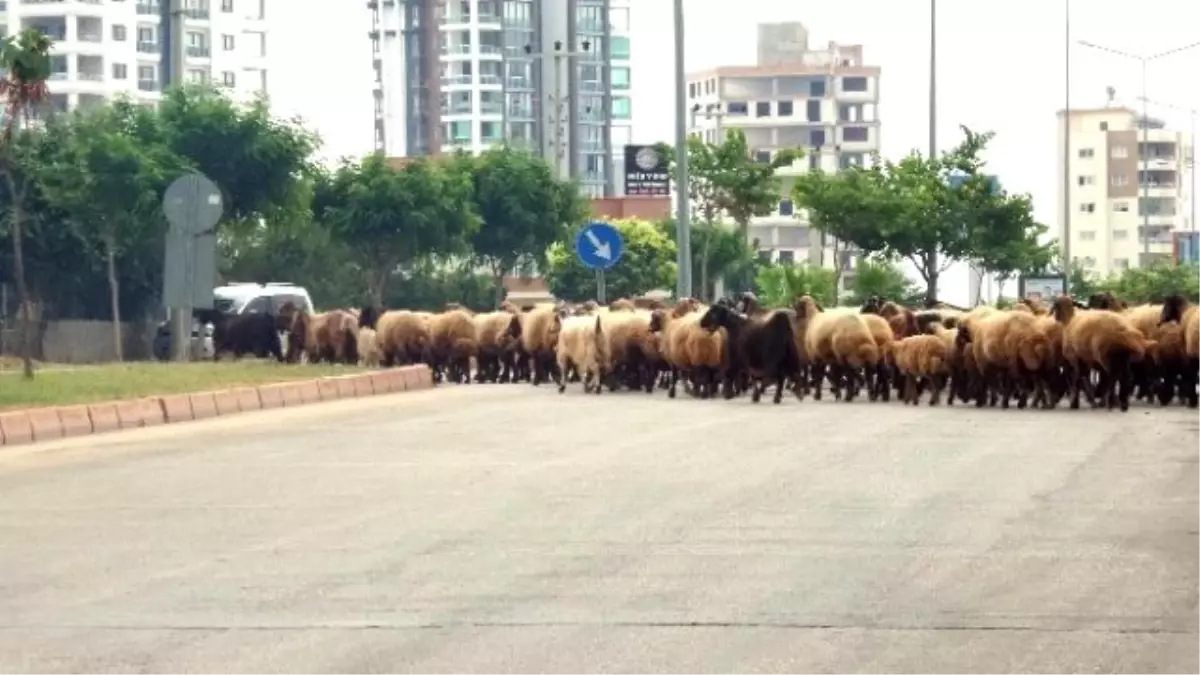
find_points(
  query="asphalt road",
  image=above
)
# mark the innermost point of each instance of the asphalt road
(501, 528)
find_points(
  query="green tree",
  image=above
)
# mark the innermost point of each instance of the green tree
(648, 263)
(387, 217)
(109, 186)
(882, 279)
(780, 285)
(25, 60)
(431, 284)
(724, 178)
(257, 160)
(918, 208)
(524, 209)
(1153, 284)
(303, 252)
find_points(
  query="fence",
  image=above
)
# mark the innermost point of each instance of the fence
(71, 341)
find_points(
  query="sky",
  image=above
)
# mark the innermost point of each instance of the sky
(1000, 69)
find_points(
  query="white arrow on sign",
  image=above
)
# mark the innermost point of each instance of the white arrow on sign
(603, 251)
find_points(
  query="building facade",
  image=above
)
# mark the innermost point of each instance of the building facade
(550, 76)
(106, 48)
(1128, 194)
(823, 102)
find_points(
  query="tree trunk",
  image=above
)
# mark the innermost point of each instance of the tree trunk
(114, 297)
(704, 252)
(498, 281)
(837, 270)
(931, 280)
(19, 274)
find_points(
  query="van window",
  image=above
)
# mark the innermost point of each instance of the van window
(259, 305)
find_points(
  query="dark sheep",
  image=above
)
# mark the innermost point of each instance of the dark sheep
(242, 334)
(763, 347)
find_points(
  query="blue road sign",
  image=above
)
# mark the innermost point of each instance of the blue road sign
(599, 246)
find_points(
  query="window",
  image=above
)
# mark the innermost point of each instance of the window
(1086, 153)
(145, 35)
(1087, 207)
(1121, 207)
(118, 32)
(1119, 152)
(787, 257)
(1120, 180)
(120, 71)
(620, 77)
(1104, 126)
(816, 88)
(783, 108)
(1086, 180)
(1121, 263)
(259, 305)
(813, 111)
(737, 108)
(691, 89)
(762, 109)
(460, 131)
(198, 76)
(762, 156)
(1087, 235)
(786, 208)
(490, 131)
(227, 42)
(816, 137)
(1120, 235)
(621, 108)
(227, 6)
(619, 47)
(229, 78)
(854, 84)
(855, 134)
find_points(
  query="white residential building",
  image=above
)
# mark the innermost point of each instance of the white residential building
(105, 48)
(823, 102)
(1128, 192)
(542, 74)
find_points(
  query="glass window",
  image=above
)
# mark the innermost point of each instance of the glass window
(854, 84)
(620, 78)
(460, 131)
(620, 47)
(622, 109)
(816, 88)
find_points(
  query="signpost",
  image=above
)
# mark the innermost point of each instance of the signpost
(599, 247)
(646, 172)
(193, 207)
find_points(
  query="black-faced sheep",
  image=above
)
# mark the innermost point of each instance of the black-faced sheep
(762, 346)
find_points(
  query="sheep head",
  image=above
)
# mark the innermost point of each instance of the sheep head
(368, 317)
(806, 308)
(1174, 306)
(1064, 308)
(873, 305)
(717, 316)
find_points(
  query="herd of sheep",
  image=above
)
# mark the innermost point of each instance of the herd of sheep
(1037, 355)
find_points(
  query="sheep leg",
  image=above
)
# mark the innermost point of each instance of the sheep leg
(818, 379)
(674, 377)
(756, 390)
(936, 384)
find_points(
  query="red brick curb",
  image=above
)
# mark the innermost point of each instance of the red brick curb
(18, 427)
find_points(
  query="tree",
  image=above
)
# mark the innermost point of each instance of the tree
(648, 263)
(780, 285)
(387, 217)
(25, 60)
(257, 160)
(931, 211)
(523, 209)
(720, 248)
(724, 178)
(109, 185)
(882, 279)
(1153, 284)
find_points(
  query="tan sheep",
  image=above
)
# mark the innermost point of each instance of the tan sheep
(539, 339)
(1099, 340)
(581, 345)
(369, 353)
(840, 342)
(403, 336)
(632, 348)
(495, 334)
(452, 346)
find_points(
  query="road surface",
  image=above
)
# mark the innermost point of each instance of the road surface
(502, 528)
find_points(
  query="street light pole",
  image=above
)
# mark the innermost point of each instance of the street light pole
(931, 261)
(683, 224)
(1144, 202)
(1066, 157)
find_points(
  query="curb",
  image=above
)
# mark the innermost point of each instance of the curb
(20, 427)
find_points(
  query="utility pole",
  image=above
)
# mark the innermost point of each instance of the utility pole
(559, 101)
(931, 261)
(181, 317)
(683, 206)
(1066, 156)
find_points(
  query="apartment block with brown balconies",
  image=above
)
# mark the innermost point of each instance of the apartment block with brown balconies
(822, 101)
(1128, 187)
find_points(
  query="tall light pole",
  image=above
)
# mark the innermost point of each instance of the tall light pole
(1144, 203)
(683, 210)
(1066, 157)
(931, 261)
(1190, 160)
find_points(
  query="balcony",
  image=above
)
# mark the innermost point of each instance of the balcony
(149, 9)
(197, 13)
(491, 50)
(148, 85)
(456, 50)
(149, 48)
(490, 79)
(90, 69)
(198, 52)
(452, 80)
(520, 113)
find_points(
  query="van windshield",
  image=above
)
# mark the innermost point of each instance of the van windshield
(228, 305)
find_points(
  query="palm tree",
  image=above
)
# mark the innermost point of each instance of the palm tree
(25, 58)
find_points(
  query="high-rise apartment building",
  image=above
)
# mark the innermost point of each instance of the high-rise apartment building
(823, 102)
(549, 75)
(105, 48)
(1129, 192)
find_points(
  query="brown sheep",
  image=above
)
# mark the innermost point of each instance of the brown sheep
(632, 349)
(1176, 309)
(452, 345)
(539, 339)
(622, 305)
(689, 350)
(403, 336)
(495, 333)
(581, 344)
(922, 358)
(331, 337)
(839, 341)
(1102, 340)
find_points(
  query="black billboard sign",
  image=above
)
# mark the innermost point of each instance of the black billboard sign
(646, 173)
